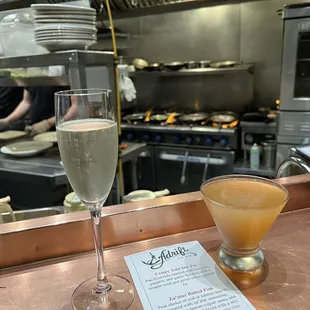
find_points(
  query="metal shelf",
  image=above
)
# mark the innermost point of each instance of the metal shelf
(60, 58)
(244, 168)
(35, 81)
(202, 71)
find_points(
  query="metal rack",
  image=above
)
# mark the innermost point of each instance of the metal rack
(203, 71)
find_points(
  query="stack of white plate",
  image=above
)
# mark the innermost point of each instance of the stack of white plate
(62, 27)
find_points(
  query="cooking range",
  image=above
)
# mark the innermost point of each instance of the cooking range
(184, 149)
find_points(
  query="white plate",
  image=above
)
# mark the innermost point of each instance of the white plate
(57, 12)
(46, 137)
(55, 27)
(64, 21)
(65, 32)
(25, 148)
(65, 16)
(61, 7)
(11, 134)
(47, 38)
(61, 45)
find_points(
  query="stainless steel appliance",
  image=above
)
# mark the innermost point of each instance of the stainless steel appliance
(185, 154)
(297, 163)
(294, 115)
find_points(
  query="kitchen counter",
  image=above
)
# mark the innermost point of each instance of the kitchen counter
(136, 227)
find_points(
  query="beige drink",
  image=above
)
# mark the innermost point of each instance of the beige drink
(243, 209)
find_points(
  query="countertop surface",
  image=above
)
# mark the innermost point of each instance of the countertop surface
(284, 285)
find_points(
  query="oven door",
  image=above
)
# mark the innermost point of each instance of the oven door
(295, 77)
(184, 170)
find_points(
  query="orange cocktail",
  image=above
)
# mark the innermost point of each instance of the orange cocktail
(243, 208)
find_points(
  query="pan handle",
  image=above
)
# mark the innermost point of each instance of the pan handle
(183, 177)
(194, 159)
(204, 175)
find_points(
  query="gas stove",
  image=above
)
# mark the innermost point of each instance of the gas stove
(194, 136)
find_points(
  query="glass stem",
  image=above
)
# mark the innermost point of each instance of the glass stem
(103, 285)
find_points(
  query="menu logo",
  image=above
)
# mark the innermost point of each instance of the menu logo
(156, 262)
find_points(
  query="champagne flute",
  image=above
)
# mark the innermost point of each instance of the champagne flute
(88, 145)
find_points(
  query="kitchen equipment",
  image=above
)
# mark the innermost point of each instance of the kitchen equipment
(141, 195)
(135, 117)
(139, 63)
(223, 64)
(269, 154)
(153, 67)
(298, 162)
(174, 66)
(254, 157)
(223, 117)
(204, 63)
(193, 117)
(159, 118)
(192, 64)
(25, 148)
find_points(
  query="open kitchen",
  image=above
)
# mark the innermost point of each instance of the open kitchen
(204, 89)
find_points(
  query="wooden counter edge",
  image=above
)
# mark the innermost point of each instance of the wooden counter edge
(55, 236)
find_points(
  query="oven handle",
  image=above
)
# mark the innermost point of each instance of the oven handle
(193, 159)
(183, 177)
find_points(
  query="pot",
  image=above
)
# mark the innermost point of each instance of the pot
(139, 63)
(175, 66)
(193, 117)
(192, 64)
(204, 63)
(141, 195)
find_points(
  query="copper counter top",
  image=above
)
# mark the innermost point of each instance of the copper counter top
(48, 285)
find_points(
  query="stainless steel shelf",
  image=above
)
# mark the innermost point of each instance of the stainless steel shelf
(74, 57)
(202, 71)
(35, 81)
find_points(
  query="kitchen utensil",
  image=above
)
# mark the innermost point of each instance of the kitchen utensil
(159, 117)
(25, 148)
(46, 137)
(192, 64)
(11, 134)
(269, 153)
(140, 64)
(174, 66)
(204, 63)
(193, 117)
(153, 67)
(135, 117)
(223, 64)
(62, 7)
(223, 117)
(141, 195)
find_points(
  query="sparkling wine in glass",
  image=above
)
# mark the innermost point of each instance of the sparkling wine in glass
(88, 145)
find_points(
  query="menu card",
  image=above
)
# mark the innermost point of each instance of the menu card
(183, 276)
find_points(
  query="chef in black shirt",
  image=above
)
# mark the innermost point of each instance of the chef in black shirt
(38, 103)
(10, 97)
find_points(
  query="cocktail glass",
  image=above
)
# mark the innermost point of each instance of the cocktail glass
(243, 208)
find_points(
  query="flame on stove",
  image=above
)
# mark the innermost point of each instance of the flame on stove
(196, 104)
(171, 118)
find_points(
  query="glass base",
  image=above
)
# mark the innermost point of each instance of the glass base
(242, 261)
(120, 297)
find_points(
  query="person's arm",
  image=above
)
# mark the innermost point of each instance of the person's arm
(47, 124)
(22, 109)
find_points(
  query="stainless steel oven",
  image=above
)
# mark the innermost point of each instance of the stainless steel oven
(183, 169)
(295, 75)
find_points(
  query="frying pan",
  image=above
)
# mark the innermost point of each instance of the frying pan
(223, 117)
(135, 117)
(153, 67)
(223, 64)
(159, 117)
(193, 117)
(175, 66)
